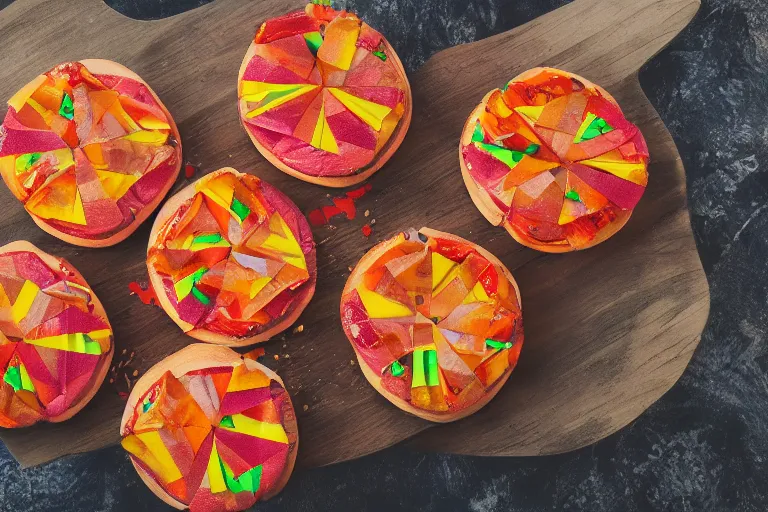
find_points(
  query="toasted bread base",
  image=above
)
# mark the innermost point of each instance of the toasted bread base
(98, 309)
(375, 380)
(156, 282)
(494, 214)
(197, 357)
(379, 160)
(106, 67)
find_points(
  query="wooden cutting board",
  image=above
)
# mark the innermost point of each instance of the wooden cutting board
(608, 330)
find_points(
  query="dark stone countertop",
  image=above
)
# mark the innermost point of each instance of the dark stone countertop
(702, 447)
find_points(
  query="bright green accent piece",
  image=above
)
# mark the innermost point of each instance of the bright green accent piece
(508, 156)
(248, 481)
(67, 108)
(13, 377)
(592, 127)
(498, 345)
(147, 405)
(24, 162)
(184, 287)
(418, 369)
(431, 370)
(240, 209)
(227, 421)
(313, 40)
(572, 195)
(18, 378)
(397, 369)
(322, 2)
(90, 346)
(200, 296)
(201, 242)
(477, 134)
(207, 239)
(381, 55)
(532, 149)
(26, 382)
(584, 124)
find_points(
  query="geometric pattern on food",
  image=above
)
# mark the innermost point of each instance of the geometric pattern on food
(435, 319)
(55, 340)
(215, 439)
(323, 92)
(87, 153)
(557, 158)
(235, 257)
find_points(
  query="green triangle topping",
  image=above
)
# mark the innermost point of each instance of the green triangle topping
(67, 108)
(240, 209)
(592, 127)
(397, 369)
(508, 156)
(573, 195)
(498, 345)
(313, 40)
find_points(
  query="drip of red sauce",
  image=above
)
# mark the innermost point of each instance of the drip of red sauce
(367, 230)
(189, 171)
(342, 205)
(147, 296)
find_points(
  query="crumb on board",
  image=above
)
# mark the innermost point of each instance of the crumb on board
(306, 407)
(298, 329)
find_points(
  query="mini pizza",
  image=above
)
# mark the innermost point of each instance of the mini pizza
(435, 322)
(89, 150)
(56, 343)
(232, 259)
(552, 158)
(209, 430)
(323, 96)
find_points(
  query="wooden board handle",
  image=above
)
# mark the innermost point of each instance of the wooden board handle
(621, 36)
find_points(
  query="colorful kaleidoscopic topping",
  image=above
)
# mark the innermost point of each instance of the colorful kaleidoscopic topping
(87, 153)
(555, 157)
(55, 340)
(436, 319)
(233, 257)
(323, 94)
(216, 438)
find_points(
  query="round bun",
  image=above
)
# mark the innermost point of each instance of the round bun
(65, 342)
(225, 402)
(552, 158)
(323, 96)
(435, 321)
(90, 150)
(232, 259)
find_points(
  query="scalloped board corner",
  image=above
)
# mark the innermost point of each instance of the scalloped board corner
(609, 330)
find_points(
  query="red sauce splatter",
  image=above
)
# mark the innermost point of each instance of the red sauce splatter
(367, 230)
(342, 205)
(189, 171)
(147, 296)
(254, 354)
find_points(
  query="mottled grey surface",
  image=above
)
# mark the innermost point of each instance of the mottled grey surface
(702, 447)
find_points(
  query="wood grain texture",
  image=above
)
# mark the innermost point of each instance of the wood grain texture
(608, 330)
